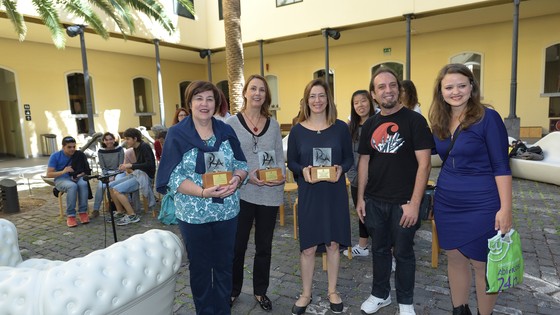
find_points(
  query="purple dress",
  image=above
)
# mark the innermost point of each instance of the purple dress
(466, 199)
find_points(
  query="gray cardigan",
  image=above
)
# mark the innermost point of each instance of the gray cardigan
(109, 160)
(270, 140)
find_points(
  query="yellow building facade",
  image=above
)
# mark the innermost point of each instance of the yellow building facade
(38, 82)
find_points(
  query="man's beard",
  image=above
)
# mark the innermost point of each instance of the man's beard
(389, 105)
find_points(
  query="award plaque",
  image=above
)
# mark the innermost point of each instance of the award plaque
(268, 169)
(216, 172)
(216, 179)
(322, 169)
(321, 173)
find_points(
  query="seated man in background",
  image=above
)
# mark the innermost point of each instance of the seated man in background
(67, 167)
(143, 171)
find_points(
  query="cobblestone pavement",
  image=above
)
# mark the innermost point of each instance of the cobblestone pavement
(43, 235)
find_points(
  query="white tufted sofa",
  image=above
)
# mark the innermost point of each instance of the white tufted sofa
(136, 276)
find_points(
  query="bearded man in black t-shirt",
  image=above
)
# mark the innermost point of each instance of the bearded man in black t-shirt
(395, 148)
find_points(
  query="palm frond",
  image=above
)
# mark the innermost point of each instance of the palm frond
(119, 12)
(50, 18)
(154, 10)
(15, 17)
(84, 11)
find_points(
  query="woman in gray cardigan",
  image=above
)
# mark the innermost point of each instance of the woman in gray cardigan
(260, 136)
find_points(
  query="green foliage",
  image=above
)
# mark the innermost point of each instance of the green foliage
(120, 11)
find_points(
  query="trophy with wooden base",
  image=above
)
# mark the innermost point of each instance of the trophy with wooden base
(268, 169)
(322, 169)
(216, 172)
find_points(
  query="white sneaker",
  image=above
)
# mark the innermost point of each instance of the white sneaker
(373, 304)
(406, 309)
(357, 251)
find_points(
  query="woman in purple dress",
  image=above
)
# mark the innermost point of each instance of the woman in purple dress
(473, 198)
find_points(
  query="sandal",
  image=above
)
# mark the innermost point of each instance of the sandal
(299, 310)
(264, 302)
(336, 307)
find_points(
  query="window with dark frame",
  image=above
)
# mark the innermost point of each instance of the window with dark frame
(77, 100)
(182, 88)
(143, 104)
(320, 74)
(473, 61)
(552, 70)
(181, 11)
(281, 3)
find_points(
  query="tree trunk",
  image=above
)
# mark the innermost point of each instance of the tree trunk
(234, 53)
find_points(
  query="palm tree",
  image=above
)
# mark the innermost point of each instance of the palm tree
(120, 11)
(234, 53)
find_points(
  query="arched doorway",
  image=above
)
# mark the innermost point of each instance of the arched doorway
(11, 139)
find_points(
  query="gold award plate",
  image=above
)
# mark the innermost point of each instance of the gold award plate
(216, 179)
(323, 173)
(270, 174)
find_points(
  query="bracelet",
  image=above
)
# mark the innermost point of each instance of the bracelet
(240, 179)
(202, 193)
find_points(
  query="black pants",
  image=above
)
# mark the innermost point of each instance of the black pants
(363, 230)
(264, 218)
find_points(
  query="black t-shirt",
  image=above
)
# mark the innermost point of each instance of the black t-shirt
(390, 141)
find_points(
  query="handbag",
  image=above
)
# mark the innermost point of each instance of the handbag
(427, 204)
(167, 210)
(505, 265)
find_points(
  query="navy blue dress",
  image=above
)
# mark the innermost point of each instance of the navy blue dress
(466, 199)
(323, 212)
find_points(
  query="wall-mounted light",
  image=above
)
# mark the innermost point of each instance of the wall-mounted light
(332, 33)
(205, 53)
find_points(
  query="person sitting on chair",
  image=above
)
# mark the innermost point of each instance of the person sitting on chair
(62, 166)
(111, 155)
(144, 170)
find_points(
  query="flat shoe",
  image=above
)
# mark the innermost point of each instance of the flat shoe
(264, 302)
(299, 310)
(335, 307)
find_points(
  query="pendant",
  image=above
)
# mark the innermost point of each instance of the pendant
(255, 129)
(318, 132)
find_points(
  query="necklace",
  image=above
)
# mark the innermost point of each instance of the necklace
(255, 129)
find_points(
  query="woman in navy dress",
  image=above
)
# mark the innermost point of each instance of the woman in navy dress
(323, 213)
(473, 198)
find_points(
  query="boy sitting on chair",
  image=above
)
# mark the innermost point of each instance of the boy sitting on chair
(67, 167)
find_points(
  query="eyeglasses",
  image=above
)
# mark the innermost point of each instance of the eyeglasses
(66, 140)
(255, 144)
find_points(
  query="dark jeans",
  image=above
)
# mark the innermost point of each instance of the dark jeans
(210, 252)
(264, 218)
(362, 227)
(382, 221)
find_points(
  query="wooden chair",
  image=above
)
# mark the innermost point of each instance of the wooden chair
(435, 240)
(289, 187)
(50, 181)
(435, 243)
